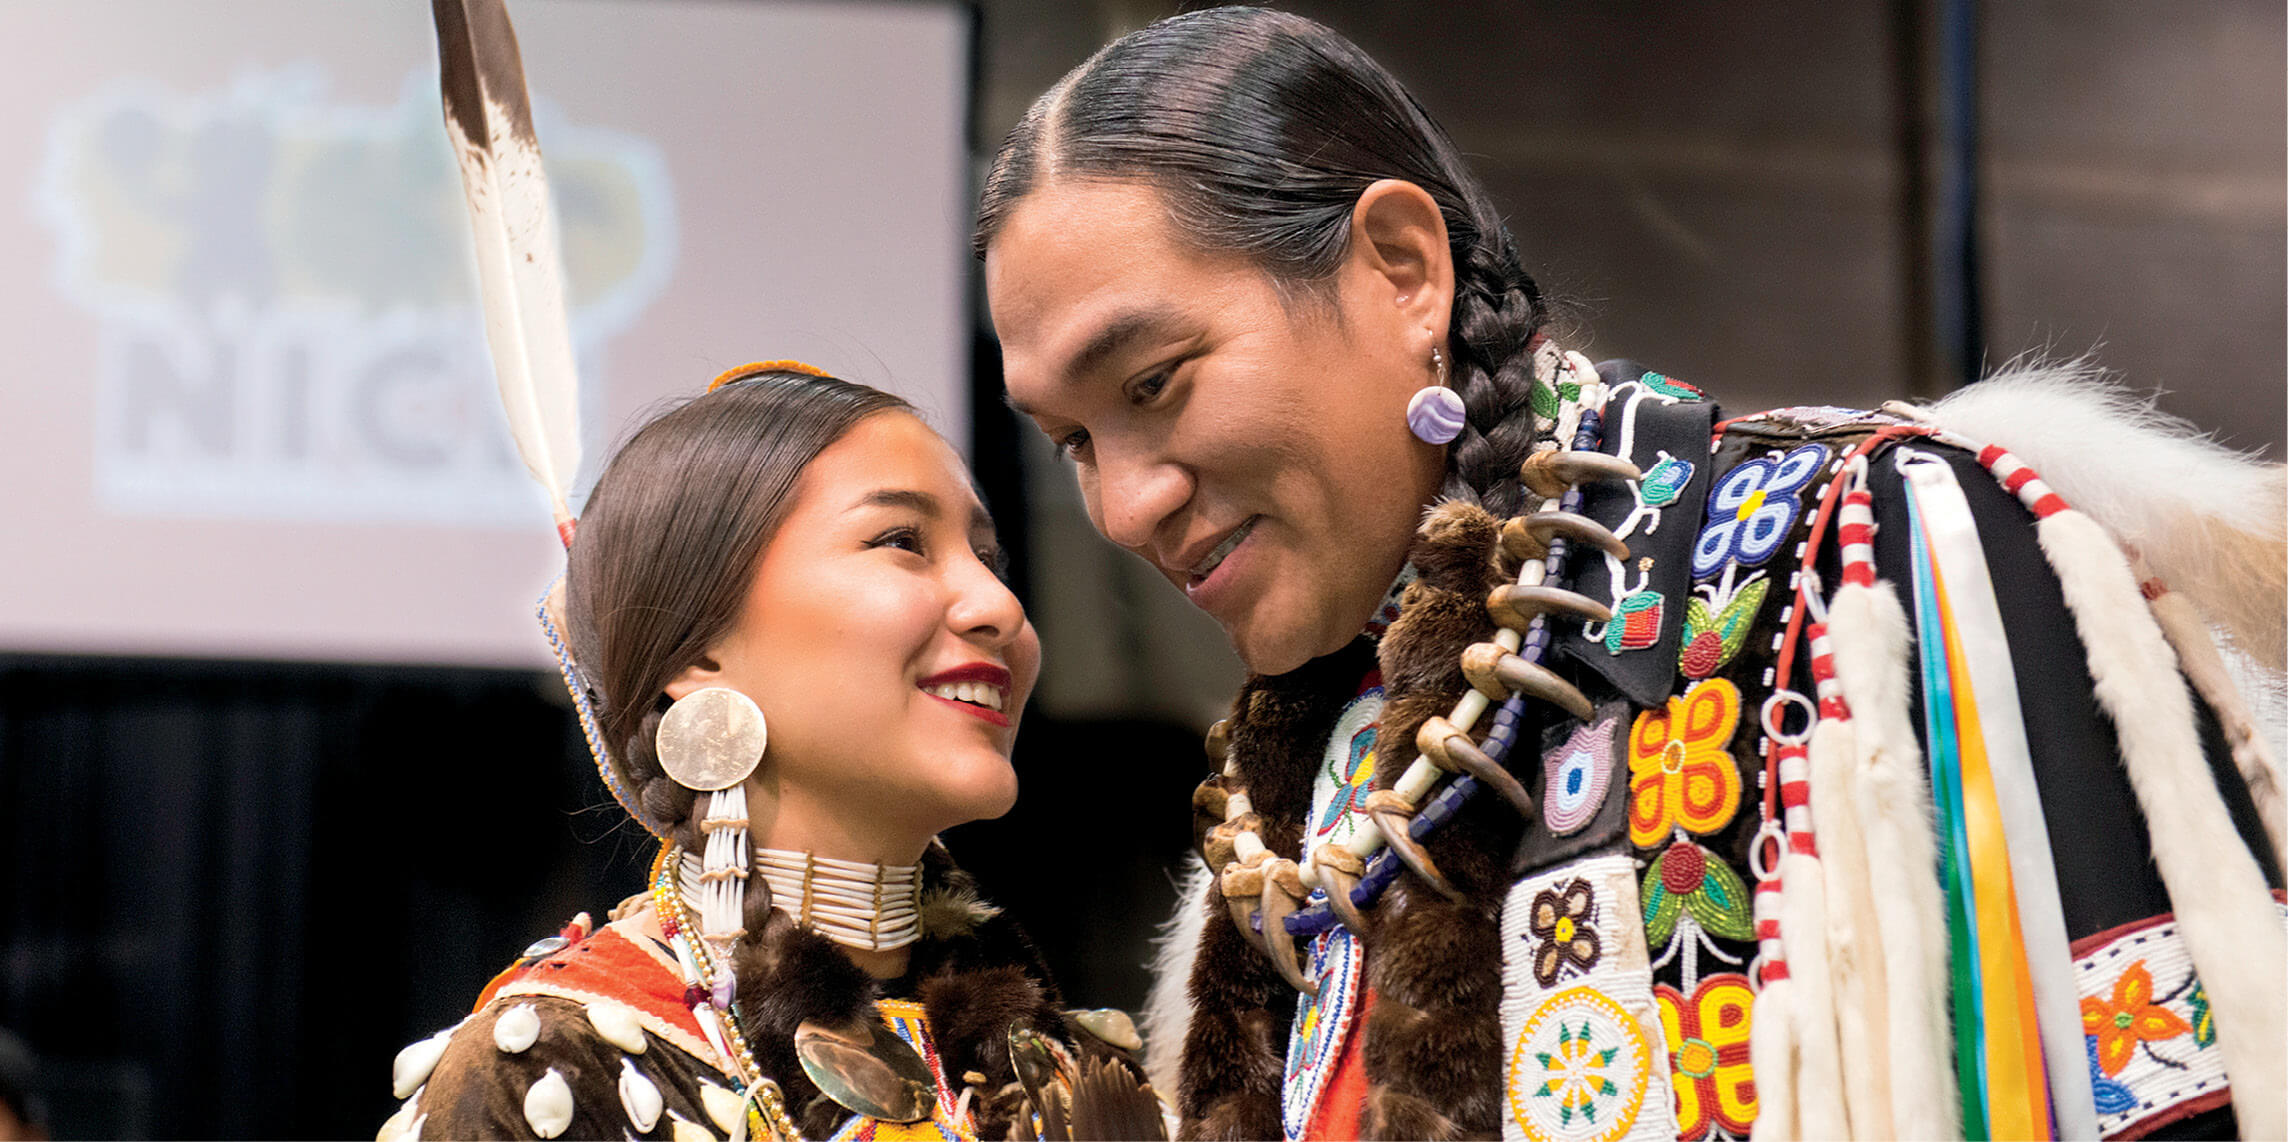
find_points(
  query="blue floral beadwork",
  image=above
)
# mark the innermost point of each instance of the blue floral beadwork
(1753, 509)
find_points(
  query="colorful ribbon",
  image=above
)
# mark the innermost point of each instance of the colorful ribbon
(1974, 731)
(1981, 663)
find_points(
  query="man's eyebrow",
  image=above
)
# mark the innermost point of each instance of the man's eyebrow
(1116, 337)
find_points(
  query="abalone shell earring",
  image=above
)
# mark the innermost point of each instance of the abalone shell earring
(1435, 412)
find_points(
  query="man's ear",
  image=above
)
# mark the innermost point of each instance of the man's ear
(1398, 236)
(698, 676)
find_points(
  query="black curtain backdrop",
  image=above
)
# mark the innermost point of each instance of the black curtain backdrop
(234, 890)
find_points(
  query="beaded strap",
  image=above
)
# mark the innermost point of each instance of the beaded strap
(708, 989)
(590, 724)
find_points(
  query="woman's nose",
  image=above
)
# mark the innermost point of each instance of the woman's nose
(984, 608)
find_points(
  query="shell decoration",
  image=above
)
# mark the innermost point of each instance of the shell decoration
(548, 1105)
(639, 1096)
(618, 1026)
(414, 1063)
(516, 1029)
(1435, 414)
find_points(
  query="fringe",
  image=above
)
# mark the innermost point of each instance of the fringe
(1854, 941)
(2205, 667)
(1892, 799)
(1772, 1055)
(2222, 904)
(1818, 1080)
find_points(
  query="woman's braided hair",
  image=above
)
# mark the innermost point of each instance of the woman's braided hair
(1261, 129)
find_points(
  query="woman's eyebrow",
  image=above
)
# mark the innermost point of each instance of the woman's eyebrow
(922, 502)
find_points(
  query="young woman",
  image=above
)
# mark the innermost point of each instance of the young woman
(799, 664)
(1250, 288)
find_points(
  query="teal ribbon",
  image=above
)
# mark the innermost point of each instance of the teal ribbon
(1941, 735)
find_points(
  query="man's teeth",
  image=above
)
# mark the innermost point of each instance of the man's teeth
(1207, 566)
(975, 693)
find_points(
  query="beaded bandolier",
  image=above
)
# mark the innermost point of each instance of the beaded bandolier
(1757, 786)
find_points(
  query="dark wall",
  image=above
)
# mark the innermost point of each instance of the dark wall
(235, 890)
(1735, 192)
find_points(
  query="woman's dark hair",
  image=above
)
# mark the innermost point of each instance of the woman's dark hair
(1261, 129)
(666, 550)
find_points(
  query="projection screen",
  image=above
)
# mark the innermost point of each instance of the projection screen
(249, 411)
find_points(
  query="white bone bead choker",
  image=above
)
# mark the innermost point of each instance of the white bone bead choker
(860, 905)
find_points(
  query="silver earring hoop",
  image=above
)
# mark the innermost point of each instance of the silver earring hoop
(1435, 414)
(711, 738)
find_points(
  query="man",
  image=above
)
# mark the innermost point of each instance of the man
(2007, 869)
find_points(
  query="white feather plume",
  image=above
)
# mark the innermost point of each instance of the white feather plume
(488, 116)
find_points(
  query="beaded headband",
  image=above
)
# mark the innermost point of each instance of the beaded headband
(751, 368)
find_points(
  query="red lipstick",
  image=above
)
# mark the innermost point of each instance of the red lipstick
(984, 672)
(981, 673)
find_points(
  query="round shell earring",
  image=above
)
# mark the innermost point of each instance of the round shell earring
(1435, 413)
(711, 739)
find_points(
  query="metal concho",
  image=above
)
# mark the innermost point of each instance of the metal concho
(867, 1069)
(711, 739)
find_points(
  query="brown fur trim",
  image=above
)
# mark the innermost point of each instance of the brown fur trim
(1236, 1047)
(1433, 1051)
(1433, 1041)
(786, 976)
(1235, 1050)
(972, 986)
(1455, 545)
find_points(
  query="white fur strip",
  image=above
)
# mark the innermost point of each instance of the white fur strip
(2204, 667)
(1892, 797)
(1774, 1055)
(2213, 521)
(1854, 943)
(1803, 931)
(1168, 1006)
(2222, 904)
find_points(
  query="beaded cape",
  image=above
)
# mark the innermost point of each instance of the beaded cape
(1602, 969)
(963, 991)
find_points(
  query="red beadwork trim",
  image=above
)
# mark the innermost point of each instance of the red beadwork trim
(1828, 502)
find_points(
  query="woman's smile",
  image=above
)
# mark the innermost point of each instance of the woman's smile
(979, 689)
